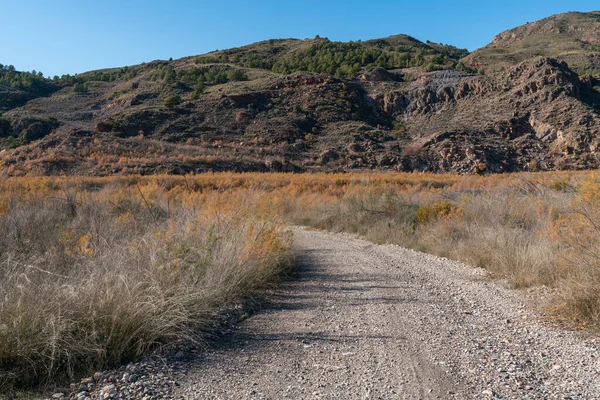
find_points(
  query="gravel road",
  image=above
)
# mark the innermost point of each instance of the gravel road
(383, 322)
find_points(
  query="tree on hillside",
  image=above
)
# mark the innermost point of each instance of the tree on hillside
(172, 101)
(170, 76)
(236, 75)
(80, 88)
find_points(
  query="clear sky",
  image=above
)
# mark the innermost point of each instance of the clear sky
(72, 36)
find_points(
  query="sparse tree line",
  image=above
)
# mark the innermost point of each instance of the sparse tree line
(121, 74)
(206, 75)
(198, 78)
(36, 83)
(21, 80)
(340, 59)
(344, 60)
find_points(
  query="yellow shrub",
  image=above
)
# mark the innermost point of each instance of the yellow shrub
(433, 212)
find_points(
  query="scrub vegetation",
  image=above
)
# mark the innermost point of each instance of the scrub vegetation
(99, 271)
(95, 273)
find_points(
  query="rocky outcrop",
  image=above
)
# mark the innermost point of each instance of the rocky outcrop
(532, 116)
(378, 75)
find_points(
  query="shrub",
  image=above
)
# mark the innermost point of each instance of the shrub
(236, 75)
(38, 129)
(579, 234)
(80, 88)
(5, 128)
(433, 212)
(172, 101)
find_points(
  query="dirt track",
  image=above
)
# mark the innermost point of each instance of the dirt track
(382, 322)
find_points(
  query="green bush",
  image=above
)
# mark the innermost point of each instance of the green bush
(236, 75)
(80, 88)
(172, 101)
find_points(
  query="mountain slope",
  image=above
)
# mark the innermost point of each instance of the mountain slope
(17, 88)
(312, 105)
(573, 37)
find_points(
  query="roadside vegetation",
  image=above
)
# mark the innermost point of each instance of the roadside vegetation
(99, 271)
(531, 229)
(95, 273)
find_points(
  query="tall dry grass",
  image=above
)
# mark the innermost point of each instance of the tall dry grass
(93, 274)
(531, 229)
(578, 233)
(96, 271)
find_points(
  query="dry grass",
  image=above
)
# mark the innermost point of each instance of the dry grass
(100, 270)
(579, 235)
(97, 275)
(530, 229)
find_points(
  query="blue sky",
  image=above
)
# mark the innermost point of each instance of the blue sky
(72, 36)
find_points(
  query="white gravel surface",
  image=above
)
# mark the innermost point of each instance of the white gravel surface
(382, 322)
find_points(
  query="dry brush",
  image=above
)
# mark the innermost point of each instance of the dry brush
(97, 271)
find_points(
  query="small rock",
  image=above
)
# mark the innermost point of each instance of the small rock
(556, 368)
(85, 381)
(109, 391)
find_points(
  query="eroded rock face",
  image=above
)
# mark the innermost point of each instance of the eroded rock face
(378, 75)
(550, 77)
(534, 114)
(142, 122)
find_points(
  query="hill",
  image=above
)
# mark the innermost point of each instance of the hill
(573, 37)
(315, 105)
(17, 88)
